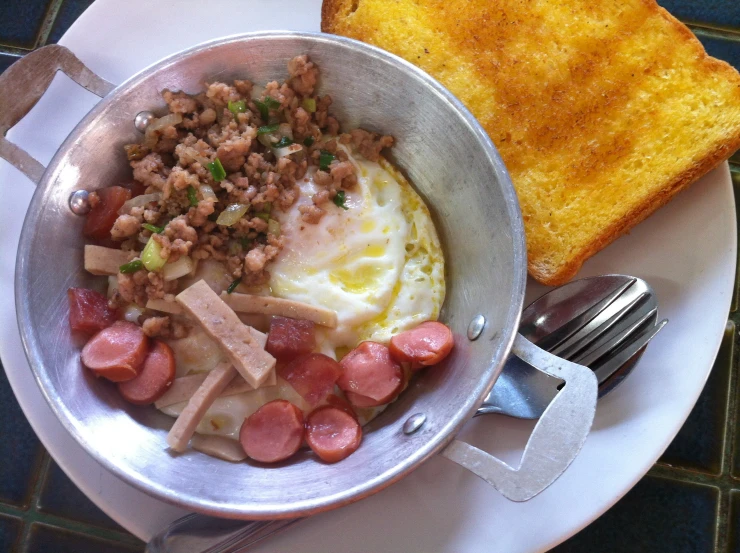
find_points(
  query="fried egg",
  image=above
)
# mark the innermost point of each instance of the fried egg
(378, 264)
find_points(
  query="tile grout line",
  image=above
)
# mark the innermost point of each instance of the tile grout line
(42, 474)
(46, 26)
(722, 522)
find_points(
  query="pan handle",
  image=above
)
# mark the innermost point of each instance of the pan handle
(556, 439)
(23, 84)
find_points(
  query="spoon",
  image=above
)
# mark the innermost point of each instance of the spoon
(607, 320)
(601, 322)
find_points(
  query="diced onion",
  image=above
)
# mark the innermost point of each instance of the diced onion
(257, 92)
(231, 214)
(166, 121)
(139, 201)
(287, 150)
(151, 257)
(112, 285)
(267, 139)
(208, 194)
(177, 269)
(285, 130)
(273, 227)
(132, 313)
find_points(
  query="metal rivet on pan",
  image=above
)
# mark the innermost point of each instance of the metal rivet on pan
(414, 422)
(79, 202)
(142, 120)
(476, 327)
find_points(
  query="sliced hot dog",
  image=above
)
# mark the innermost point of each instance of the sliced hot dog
(313, 376)
(289, 338)
(117, 352)
(155, 377)
(370, 376)
(272, 433)
(332, 433)
(427, 344)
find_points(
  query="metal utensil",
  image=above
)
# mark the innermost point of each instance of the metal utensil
(601, 322)
(606, 319)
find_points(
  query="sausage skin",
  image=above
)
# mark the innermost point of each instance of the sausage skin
(370, 376)
(117, 352)
(313, 376)
(427, 344)
(290, 338)
(156, 376)
(332, 433)
(272, 433)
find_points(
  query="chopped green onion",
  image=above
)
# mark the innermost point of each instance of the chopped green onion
(152, 228)
(339, 200)
(308, 141)
(271, 102)
(283, 142)
(237, 107)
(233, 285)
(267, 129)
(217, 170)
(244, 241)
(273, 227)
(131, 266)
(192, 196)
(151, 257)
(231, 214)
(309, 104)
(262, 107)
(325, 160)
(264, 216)
(267, 207)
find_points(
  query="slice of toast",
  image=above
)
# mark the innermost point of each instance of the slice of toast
(602, 111)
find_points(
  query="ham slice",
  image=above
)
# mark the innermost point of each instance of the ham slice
(234, 337)
(202, 399)
(105, 261)
(268, 305)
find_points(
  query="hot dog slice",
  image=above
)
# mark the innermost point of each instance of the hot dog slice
(332, 433)
(88, 310)
(272, 433)
(289, 338)
(116, 352)
(156, 376)
(313, 376)
(427, 344)
(370, 376)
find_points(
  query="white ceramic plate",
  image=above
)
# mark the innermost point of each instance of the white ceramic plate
(686, 251)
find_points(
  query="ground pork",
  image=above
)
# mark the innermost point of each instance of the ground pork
(125, 226)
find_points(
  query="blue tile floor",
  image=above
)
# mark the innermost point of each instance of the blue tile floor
(688, 503)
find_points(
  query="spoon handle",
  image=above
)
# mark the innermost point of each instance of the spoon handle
(199, 533)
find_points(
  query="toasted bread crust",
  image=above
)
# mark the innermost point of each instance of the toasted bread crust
(713, 150)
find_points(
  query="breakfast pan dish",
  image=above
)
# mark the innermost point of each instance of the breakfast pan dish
(454, 167)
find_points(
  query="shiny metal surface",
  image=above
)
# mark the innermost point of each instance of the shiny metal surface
(602, 322)
(414, 422)
(79, 202)
(443, 151)
(33, 77)
(475, 328)
(142, 120)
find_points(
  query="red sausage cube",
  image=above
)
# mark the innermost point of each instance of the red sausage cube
(289, 338)
(89, 311)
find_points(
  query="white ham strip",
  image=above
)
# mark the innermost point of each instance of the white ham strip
(164, 306)
(234, 337)
(269, 305)
(202, 399)
(105, 261)
(218, 446)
